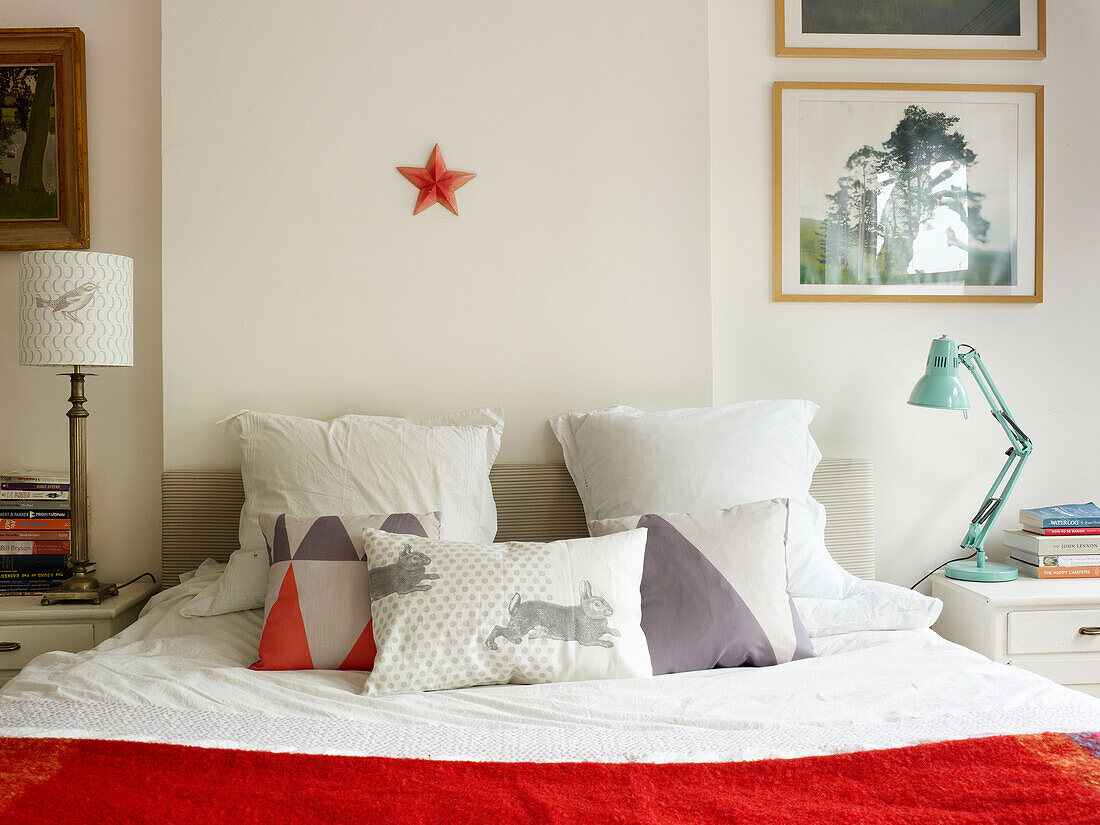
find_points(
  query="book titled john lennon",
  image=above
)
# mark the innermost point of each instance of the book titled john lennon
(1062, 515)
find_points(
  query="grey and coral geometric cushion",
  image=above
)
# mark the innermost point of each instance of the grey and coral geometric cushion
(317, 612)
(714, 588)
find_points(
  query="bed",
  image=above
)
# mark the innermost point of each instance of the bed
(165, 722)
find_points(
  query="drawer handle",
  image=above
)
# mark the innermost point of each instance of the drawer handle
(1089, 631)
(11, 647)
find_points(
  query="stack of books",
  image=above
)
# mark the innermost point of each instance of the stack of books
(35, 521)
(34, 485)
(1060, 542)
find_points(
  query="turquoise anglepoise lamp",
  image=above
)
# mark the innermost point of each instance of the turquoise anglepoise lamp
(941, 389)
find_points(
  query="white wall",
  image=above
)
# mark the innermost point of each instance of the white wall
(124, 429)
(859, 361)
(297, 280)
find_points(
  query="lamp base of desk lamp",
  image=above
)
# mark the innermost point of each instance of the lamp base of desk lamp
(991, 571)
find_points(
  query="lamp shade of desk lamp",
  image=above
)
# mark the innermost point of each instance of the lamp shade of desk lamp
(76, 310)
(940, 388)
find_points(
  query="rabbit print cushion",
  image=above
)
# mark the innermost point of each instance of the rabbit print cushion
(317, 611)
(452, 614)
(714, 588)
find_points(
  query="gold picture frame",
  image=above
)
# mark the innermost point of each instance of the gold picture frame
(933, 47)
(1014, 274)
(43, 140)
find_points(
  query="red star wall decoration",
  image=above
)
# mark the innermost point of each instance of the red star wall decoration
(436, 183)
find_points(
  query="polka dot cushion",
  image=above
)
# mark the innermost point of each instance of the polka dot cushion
(452, 614)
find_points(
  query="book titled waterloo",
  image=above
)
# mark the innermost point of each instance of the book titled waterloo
(1076, 517)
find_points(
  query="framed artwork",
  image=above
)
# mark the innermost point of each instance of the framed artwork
(43, 143)
(943, 29)
(907, 192)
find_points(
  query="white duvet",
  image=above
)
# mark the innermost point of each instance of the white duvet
(181, 680)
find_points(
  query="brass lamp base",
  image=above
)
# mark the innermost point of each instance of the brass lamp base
(80, 587)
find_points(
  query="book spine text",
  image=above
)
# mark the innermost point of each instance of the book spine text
(34, 535)
(63, 524)
(52, 495)
(17, 548)
(44, 486)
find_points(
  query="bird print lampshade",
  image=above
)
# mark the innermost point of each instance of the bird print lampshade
(76, 309)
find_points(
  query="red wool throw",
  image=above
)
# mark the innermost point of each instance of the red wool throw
(1045, 778)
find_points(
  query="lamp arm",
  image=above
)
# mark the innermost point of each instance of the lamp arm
(1018, 453)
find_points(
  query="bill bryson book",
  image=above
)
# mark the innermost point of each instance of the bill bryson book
(1062, 515)
(31, 548)
(1081, 545)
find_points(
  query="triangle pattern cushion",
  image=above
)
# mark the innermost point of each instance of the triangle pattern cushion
(284, 637)
(714, 588)
(675, 576)
(317, 612)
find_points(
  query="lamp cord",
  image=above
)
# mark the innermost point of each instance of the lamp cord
(152, 578)
(961, 558)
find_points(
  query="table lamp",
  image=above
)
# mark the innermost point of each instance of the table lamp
(941, 389)
(76, 309)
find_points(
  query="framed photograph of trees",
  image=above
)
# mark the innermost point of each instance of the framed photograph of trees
(945, 29)
(43, 144)
(907, 192)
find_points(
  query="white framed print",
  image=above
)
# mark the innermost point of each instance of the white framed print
(907, 192)
(940, 29)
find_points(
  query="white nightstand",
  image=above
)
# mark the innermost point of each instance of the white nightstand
(28, 628)
(1031, 623)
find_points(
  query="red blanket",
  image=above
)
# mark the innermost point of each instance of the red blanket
(1046, 778)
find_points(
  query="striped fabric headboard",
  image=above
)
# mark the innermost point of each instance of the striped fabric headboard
(535, 502)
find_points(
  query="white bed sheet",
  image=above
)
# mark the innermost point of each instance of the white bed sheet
(181, 680)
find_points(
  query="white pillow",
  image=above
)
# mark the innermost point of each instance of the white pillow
(354, 464)
(450, 614)
(871, 606)
(625, 461)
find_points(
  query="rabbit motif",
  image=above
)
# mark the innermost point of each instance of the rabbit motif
(585, 623)
(403, 576)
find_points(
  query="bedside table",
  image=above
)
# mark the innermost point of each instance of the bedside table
(1049, 627)
(28, 628)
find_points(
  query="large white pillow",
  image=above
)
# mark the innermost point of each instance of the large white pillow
(349, 465)
(625, 461)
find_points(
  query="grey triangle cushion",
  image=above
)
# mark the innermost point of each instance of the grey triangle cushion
(714, 588)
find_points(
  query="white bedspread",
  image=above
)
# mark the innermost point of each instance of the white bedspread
(172, 679)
